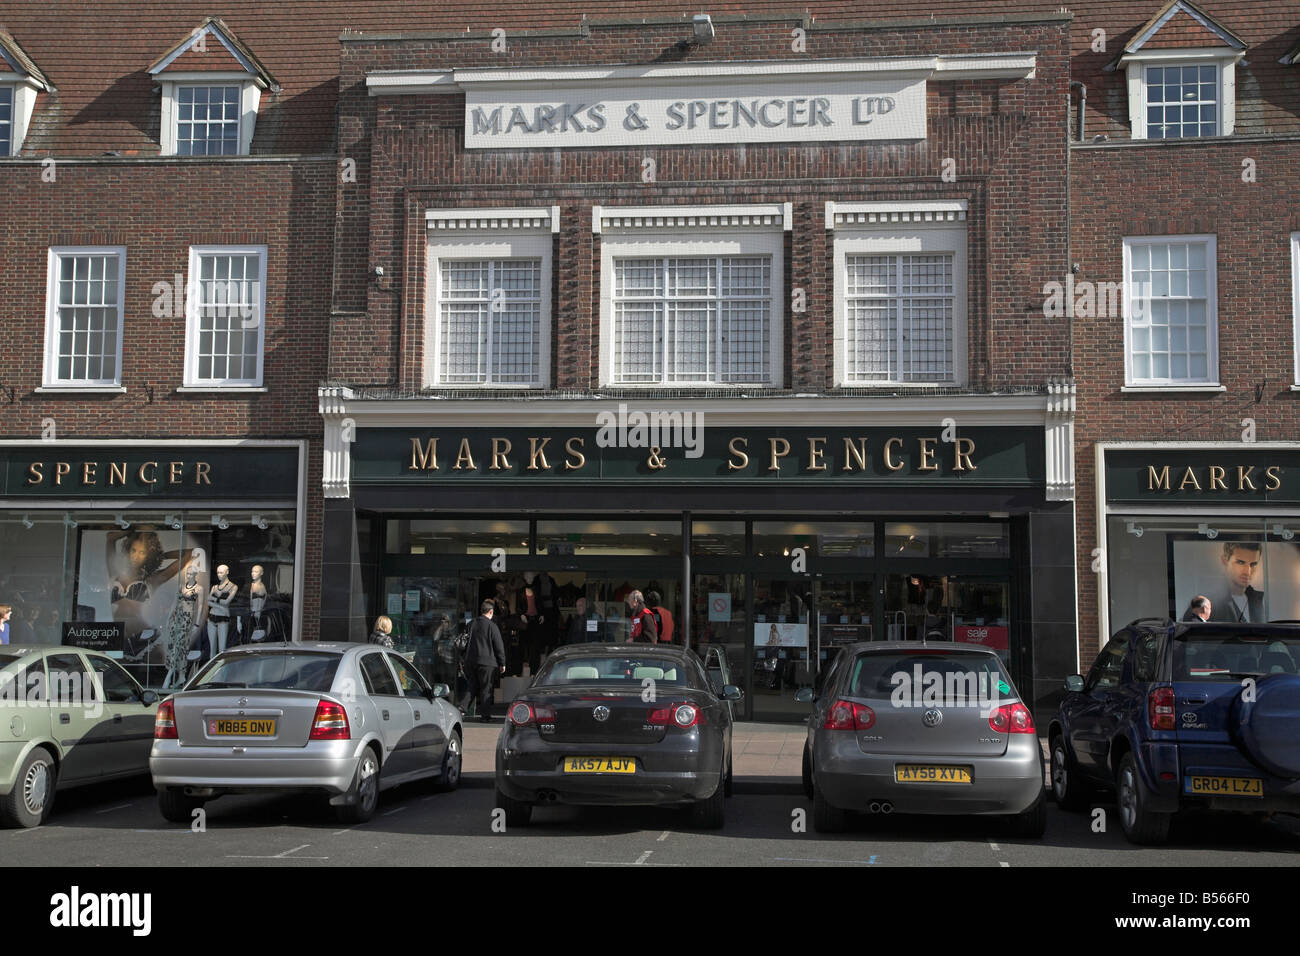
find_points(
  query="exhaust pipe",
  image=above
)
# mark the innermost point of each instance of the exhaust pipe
(880, 806)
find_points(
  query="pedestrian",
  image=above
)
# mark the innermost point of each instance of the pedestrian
(663, 616)
(383, 632)
(484, 660)
(1199, 609)
(5, 613)
(644, 628)
(580, 629)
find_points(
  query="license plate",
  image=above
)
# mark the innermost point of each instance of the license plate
(241, 727)
(599, 765)
(930, 773)
(1206, 785)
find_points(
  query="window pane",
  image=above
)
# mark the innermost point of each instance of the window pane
(900, 318)
(87, 316)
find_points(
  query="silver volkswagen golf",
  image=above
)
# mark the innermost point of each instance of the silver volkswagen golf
(342, 720)
(921, 727)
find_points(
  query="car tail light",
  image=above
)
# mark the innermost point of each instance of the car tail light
(1160, 708)
(331, 722)
(678, 715)
(1012, 719)
(523, 713)
(848, 715)
(164, 723)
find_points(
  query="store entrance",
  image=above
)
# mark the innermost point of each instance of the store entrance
(974, 609)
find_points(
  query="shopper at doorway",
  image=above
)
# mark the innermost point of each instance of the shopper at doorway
(644, 629)
(663, 616)
(1199, 609)
(579, 631)
(383, 632)
(484, 660)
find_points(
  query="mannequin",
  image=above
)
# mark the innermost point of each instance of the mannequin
(219, 598)
(180, 627)
(256, 601)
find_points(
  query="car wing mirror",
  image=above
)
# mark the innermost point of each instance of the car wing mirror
(1074, 683)
(732, 693)
(804, 695)
(149, 698)
(440, 690)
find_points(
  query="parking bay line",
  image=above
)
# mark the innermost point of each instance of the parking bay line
(277, 856)
(796, 859)
(663, 836)
(111, 809)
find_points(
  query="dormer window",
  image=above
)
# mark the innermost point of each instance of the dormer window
(20, 82)
(211, 89)
(6, 120)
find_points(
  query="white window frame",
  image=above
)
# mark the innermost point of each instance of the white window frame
(192, 381)
(50, 380)
(667, 232)
(479, 234)
(901, 228)
(1295, 303)
(24, 96)
(1211, 317)
(249, 98)
(1223, 59)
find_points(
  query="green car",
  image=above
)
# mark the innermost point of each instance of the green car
(73, 717)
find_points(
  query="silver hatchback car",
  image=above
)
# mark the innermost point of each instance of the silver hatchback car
(921, 727)
(342, 720)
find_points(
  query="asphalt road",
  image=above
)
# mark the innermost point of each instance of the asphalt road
(119, 825)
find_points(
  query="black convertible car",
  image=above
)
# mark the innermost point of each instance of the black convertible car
(618, 725)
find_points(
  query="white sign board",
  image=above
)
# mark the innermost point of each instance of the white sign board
(753, 109)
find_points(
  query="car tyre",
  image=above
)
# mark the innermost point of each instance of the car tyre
(449, 777)
(807, 773)
(518, 813)
(827, 818)
(729, 786)
(710, 814)
(30, 801)
(1141, 825)
(1031, 823)
(1068, 788)
(363, 796)
(176, 807)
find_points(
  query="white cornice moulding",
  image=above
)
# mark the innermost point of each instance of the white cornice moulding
(970, 66)
(1183, 53)
(756, 216)
(870, 213)
(494, 220)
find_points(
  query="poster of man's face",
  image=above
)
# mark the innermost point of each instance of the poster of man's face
(1231, 574)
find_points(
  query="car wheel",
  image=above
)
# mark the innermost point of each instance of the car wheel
(1031, 823)
(827, 818)
(364, 793)
(711, 813)
(450, 776)
(518, 813)
(176, 807)
(1068, 788)
(30, 801)
(807, 773)
(1140, 824)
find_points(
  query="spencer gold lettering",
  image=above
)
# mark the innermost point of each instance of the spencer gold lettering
(889, 454)
(815, 454)
(140, 474)
(61, 468)
(465, 456)
(35, 473)
(1244, 480)
(117, 472)
(961, 455)
(201, 476)
(774, 463)
(1158, 479)
(738, 453)
(175, 472)
(927, 455)
(569, 463)
(89, 472)
(499, 454)
(424, 458)
(1189, 476)
(855, 452)
(1216, 479)
(1274, 478)
(537, 453)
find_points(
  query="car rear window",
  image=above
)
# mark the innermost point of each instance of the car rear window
(1230, 657)
(951, 677)
(7, 659)
(293, 670)
(604, 669)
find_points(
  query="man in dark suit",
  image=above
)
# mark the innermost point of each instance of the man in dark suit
(485, 657)
(1199, 609)
(1241, 602)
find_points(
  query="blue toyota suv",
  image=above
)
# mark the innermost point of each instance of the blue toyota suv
(1179, 716)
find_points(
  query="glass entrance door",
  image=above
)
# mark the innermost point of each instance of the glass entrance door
(967, 608)
(783, 641)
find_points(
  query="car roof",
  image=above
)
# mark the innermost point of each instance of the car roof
(618, 650)
(330, 647)
(1274, 629)
(913, 646)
